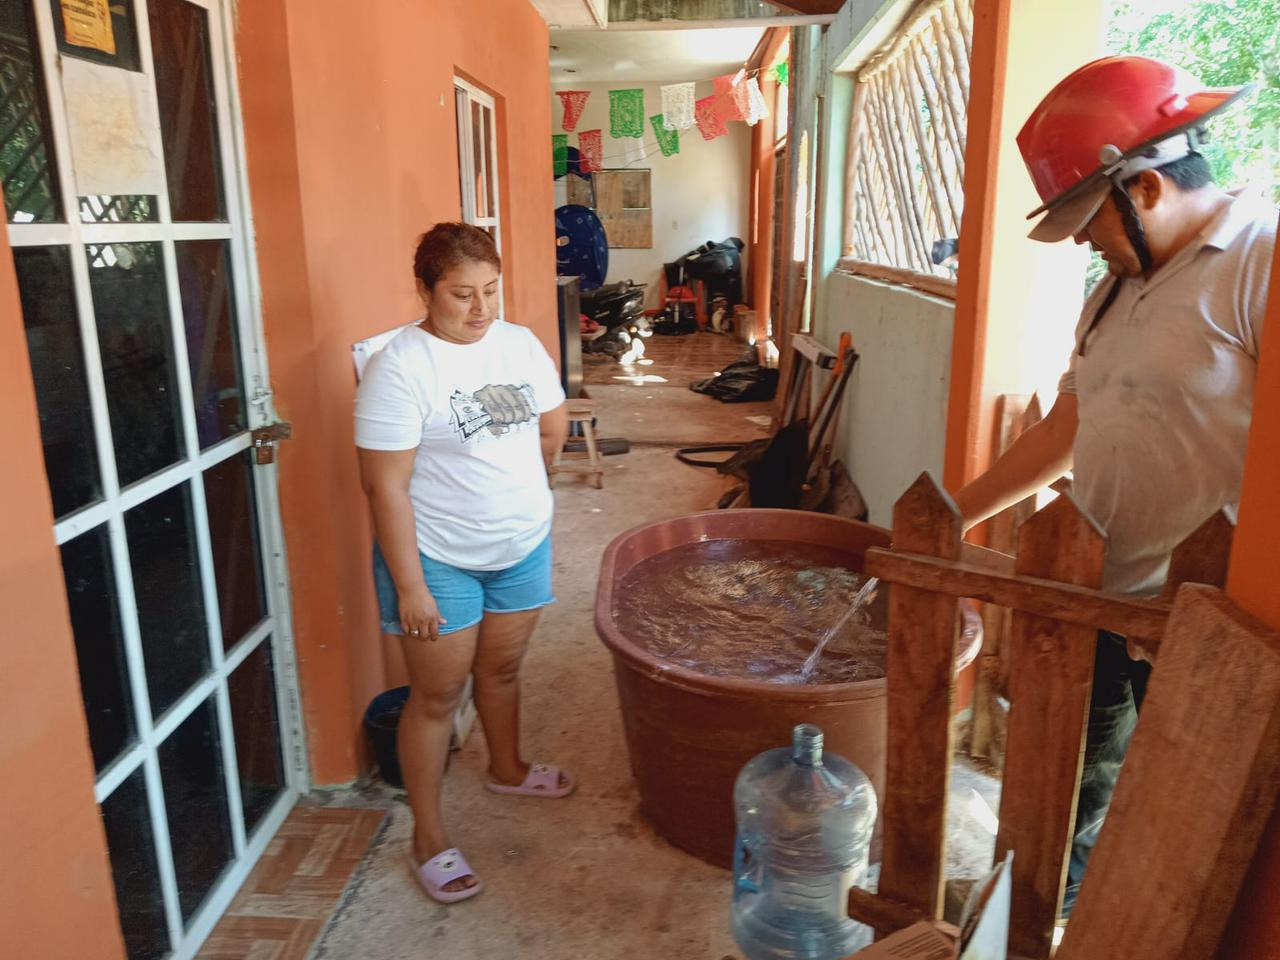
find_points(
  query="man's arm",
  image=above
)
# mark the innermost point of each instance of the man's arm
(1037, 458)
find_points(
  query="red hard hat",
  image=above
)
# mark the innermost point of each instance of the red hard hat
(1111, 117)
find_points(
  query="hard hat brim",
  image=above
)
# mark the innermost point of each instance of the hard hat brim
(1067, 214)
(1070, 217)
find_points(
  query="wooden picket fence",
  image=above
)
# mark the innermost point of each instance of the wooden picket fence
(1052, 587)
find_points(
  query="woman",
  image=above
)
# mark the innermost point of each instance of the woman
(456, 419)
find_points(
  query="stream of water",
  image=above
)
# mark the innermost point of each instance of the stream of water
(861, 599)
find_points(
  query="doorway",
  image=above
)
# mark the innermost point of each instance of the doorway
(129, 222)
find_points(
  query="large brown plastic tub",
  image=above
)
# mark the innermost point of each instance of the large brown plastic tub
(688, 734)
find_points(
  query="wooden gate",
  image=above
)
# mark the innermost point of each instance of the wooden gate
(1052, 588)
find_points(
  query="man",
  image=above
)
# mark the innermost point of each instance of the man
(1153, 411)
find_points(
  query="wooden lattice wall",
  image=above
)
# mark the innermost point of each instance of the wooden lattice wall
(907, 142)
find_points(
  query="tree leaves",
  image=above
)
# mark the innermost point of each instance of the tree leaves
(1225, 43)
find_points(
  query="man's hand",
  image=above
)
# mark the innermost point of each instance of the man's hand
(506, 404)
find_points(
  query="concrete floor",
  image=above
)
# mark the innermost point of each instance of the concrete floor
(586, 875)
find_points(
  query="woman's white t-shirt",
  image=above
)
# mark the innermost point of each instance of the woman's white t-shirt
(479, 489)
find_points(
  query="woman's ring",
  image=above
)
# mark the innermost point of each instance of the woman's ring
(414, 633)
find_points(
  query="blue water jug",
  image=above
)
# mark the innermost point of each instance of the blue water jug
(804, 820)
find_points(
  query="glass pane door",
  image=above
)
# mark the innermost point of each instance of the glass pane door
(132, 266)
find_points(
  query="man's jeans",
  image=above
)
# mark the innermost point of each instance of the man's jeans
(1119, 685)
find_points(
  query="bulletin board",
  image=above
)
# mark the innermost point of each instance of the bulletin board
(624, 204)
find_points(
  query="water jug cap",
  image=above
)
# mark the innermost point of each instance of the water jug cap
(806, 744)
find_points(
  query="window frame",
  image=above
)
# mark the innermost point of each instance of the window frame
(107, 512)
(892, 215)
(466, 95)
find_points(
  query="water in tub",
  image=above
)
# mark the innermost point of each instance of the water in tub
(758, 610)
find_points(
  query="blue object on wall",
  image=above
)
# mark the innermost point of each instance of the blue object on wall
(581, 247)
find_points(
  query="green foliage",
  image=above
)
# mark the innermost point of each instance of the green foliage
(24, 159)
(1095, 271)
(1225, 43)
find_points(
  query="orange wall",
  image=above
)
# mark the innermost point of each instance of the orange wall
(1016, 300)
(56, 895)
(1255, 564)
(352, 153)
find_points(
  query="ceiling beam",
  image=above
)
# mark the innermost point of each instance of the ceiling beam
(620, 26)
(810, 7)
(766, 49)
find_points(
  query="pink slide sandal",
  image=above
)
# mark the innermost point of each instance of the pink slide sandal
(443, 869)
(543, 780)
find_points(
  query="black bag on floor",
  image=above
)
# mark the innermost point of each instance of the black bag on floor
(777, 477)
(676, 320)
(740, 382)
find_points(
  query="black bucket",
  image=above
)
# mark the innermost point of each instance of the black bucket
(381, 720)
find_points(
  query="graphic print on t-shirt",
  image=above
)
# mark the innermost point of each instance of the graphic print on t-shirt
(498, 406)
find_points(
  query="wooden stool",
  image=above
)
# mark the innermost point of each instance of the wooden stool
(588, 462)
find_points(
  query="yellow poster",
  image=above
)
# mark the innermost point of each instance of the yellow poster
(87, 23)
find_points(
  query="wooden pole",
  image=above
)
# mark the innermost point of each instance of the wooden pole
(902, 96)
(928, 282)
(861, 241)
(938, 128)
(906, 175)
(871, 220)
(857, 133)
(955, 136)
(891, 191)
(1051, 672)
(939, 105)
(884, 213)
(1129, 616)
(919, 692)
(1202, 557)
(921, 21)
(1199, 782)
(964, 14)
(959, 51)
(905, 193)
(954, 95)
(1013, 411)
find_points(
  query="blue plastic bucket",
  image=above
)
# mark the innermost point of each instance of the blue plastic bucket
(381, 721)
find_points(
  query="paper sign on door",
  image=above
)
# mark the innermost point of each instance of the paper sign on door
(87, 23)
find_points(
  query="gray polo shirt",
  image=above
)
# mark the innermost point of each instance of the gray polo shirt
(1165, 393)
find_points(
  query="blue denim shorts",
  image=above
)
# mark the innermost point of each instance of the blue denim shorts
(465, 596)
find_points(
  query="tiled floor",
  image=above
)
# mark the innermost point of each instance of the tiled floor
(677, 359)
(295, 886)
(586, 877)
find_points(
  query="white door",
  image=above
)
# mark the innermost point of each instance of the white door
(122, 163)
